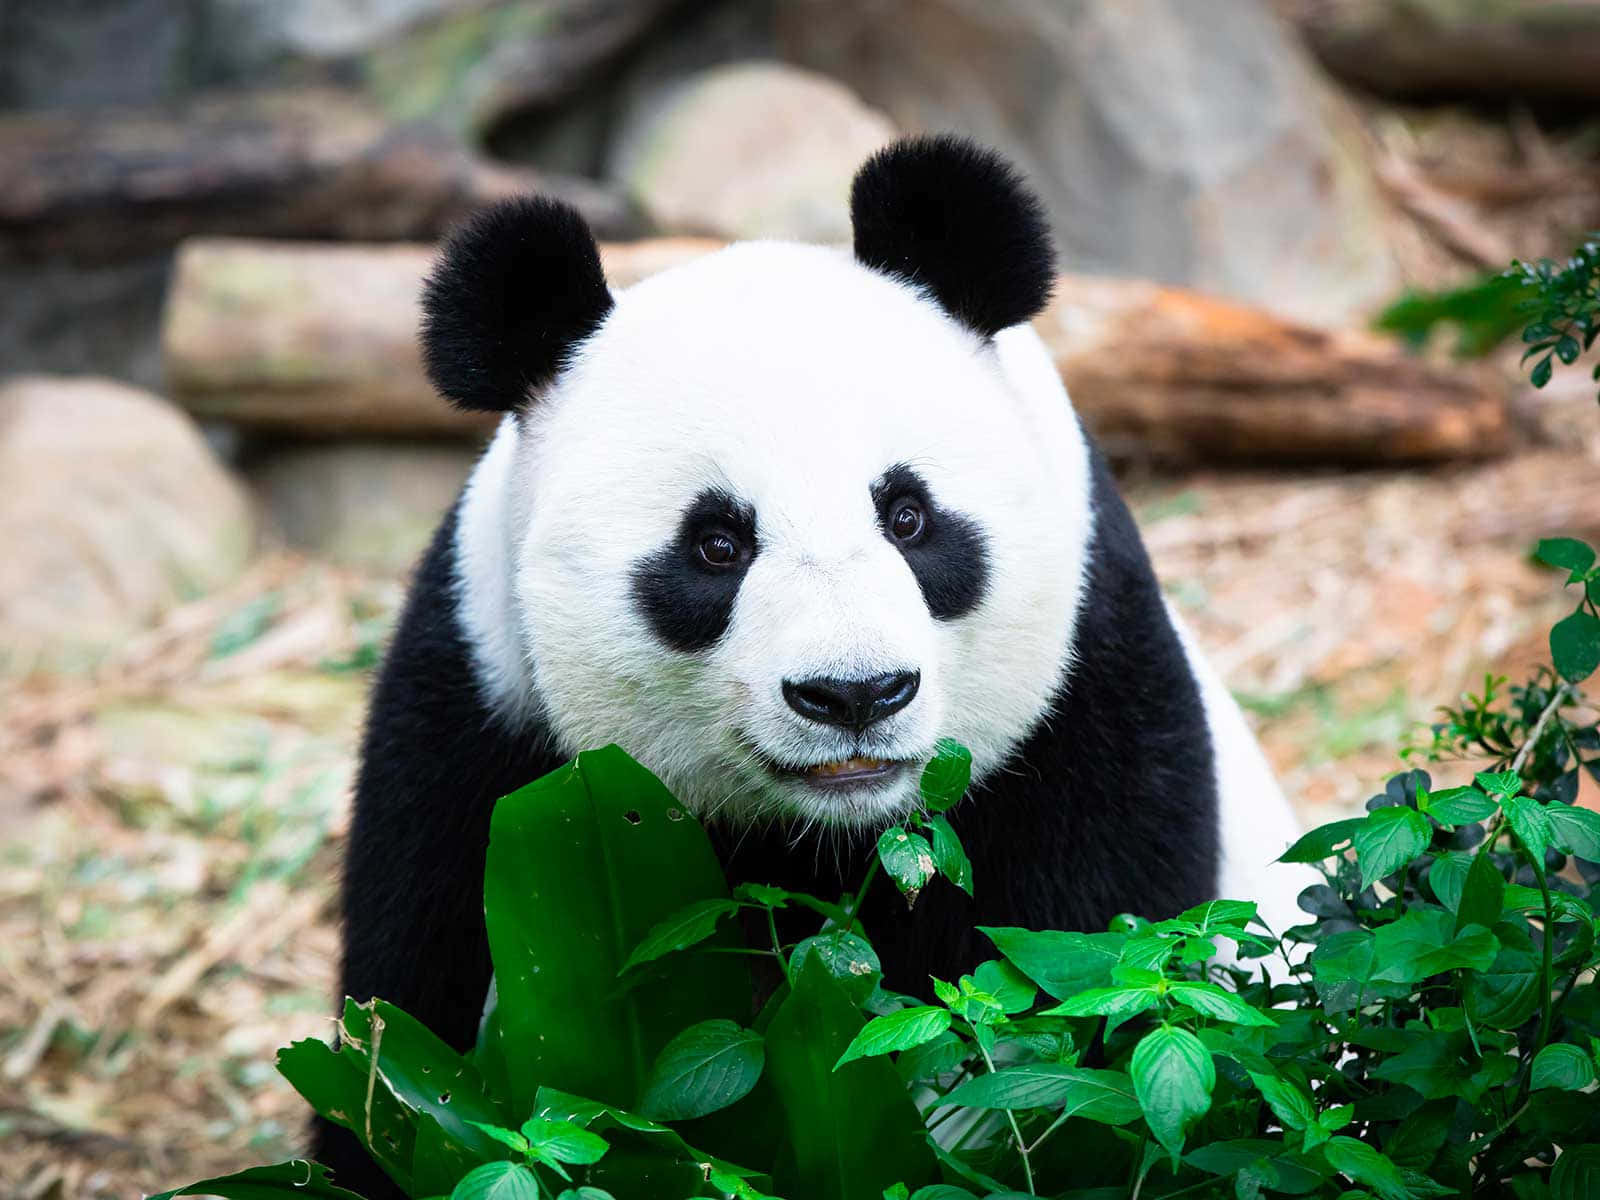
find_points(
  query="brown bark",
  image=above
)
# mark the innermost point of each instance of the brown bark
(322, 339)
(314, 162)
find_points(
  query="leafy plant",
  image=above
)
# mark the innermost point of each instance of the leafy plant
(1555, 306)
(1432, 1030)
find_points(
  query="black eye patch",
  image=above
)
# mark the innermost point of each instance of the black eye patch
(949, 556)
(687, 599)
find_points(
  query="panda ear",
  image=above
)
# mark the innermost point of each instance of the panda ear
(514, 290)
(957, 220)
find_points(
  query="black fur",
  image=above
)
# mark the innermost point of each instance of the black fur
(1109, 806)
(949, 557)
(514, 290)
(956, 219)
(433, 762)
(687, 603)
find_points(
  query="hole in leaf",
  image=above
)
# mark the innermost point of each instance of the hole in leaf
(444, 1097)
(674, 814)
(632, 817)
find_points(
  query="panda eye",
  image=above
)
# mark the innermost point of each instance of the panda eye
(908, 521)
(719, 549)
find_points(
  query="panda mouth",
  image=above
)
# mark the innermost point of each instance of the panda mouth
(846, 772)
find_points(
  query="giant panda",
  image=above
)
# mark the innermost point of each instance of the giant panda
(775, 520)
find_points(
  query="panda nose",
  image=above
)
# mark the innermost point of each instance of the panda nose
(852, 703)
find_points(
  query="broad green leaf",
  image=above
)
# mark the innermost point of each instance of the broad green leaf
(497, 1181)
(563, 1141)
(1323, 841)
(1499, 783)
(1527, 819)
(1433, 1064)
(949, 856)
(1575, 645)
(1208, 916)
(582, 865)
(1505, 995)
(1388, 839)
(1459, 806)
(1288, 1103)
(705, 1068)
(1173, 1077)
(1562, 1065)
(1483, 896)
(1342, 969)
(932, 1059)
(585, 1193)
(1567, 553)
(1447, 877)
(1424, 942)
(898, 1031)
(946, 777)
(907, 857)
(1360, 1162)
(849, 958)
(1063, 964)
(1213, 1001)
(1574, 830)
(689, 926)
(282, 1181)
(1104, 1096)
(849, 1133)
(942, 1191)
(1013, 990)
(335, 1085)
(1576, 1175)
(1114, 1002)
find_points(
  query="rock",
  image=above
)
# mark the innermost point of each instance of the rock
(362, 503)
(1187, 143)
(1510, 48)
(113, 511)
(307, 162)
(747, 150)
(321, 339)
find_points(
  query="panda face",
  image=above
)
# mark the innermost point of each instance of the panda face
(780, 525)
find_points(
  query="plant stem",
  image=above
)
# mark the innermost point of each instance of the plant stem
(1016, 1130)
(860, 897)
(1562, 692)
(1547, 982)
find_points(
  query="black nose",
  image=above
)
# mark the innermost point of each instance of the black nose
(853, 703)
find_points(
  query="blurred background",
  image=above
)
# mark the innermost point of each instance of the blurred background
(218, 456)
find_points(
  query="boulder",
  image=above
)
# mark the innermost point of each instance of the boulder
(1182, 142)
(1502, 48)
(114, 510)
(746, 150)
(362, 503)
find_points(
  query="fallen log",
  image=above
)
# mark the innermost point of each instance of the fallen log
(313, 162)
(321, 339)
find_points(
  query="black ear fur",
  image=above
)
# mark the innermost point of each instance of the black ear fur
(514, 289)
(946, 214)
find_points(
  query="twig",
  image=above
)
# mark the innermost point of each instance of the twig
(1562, 692)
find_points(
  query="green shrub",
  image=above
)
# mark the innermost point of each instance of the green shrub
(1431, 1031)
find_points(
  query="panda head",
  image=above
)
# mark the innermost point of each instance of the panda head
(778, 519)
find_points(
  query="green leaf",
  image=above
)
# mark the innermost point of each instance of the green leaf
(1012, 990)
(1569, 554)
(1361, 1163)
(1288, 1103)
(585, 1193)
(1499, 783)
(1527, 819)
(907, 857)
(563, 1141)
(1063, 964)
(1574, 830)
(1540, 375)
(849, 958)
(1576, 1175)
(1575, 645)
(947, 776)
(1562, 1065)
(1447, 877)
(335, 1085)
(942, 1191)
(1505, 995)
(1212, 1001)
(1388, 839)
(296, 1178)
(849, 1133)
(1483, 896)
(898, 1031)
(506, 1137)
(583, 864)
(690, 925)
(705, 1068)
(948, 855)
(1116, 1002)
(1323, 841)
(1458, 806)
(497, 1181)
(1214, 913)
(1173, 1077)
(1104, 1096)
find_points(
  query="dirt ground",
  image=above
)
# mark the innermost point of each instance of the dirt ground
(169, 831)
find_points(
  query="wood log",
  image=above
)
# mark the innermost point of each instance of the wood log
(1412, 48)
(321, 339)
(314, 162)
